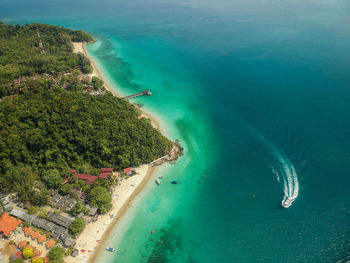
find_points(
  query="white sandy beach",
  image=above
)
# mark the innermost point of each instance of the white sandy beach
(95, 232)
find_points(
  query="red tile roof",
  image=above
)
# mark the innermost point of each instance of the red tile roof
(19, 254)
(46, 259)
(72, 171)
(36, 252)
(127, 170)
(86, 177)
(8, 224)
(22, 244)
(104, 175)
(102, 170)
(35, 235)
(50, 243)
(27, 230)
(42, 238)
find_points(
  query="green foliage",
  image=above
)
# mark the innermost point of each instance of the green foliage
(50, 123)
(52, 178)
(62, 128)
(65, 189)
(20, 52)
(21, 180)
(33, 210)
(18, 260)
(27, 252)
(100, 197)
(78, 208)
(77, 226)
(37, 260)
(43, 213)
(97, 83)
(56, 253)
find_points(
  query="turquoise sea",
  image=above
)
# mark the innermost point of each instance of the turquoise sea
(258, 93)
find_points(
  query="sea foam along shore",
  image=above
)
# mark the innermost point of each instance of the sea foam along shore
(91, 239)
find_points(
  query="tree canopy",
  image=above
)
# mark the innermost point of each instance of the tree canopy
(56, 253)
(53, 118)
(77, 226)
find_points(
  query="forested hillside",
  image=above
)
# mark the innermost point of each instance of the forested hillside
(51, 121)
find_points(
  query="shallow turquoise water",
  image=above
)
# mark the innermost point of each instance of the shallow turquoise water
(258, 94)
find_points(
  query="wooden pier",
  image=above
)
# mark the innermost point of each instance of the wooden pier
(143, 93)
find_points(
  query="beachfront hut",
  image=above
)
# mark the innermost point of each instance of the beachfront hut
(61, 220)
(129, 171)
(8, 207)
(8, 224)
(41, 239)
(92, 210)
(27, 230)
(104, 175)
(19, 254)
(69, 242)
(36, 252)
(105, 170)
(50, 243)
(35, 235)
(22, 244)
(22, 215)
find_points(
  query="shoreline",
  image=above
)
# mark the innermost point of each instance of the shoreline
(124, 193)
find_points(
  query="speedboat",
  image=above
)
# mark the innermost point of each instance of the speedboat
(287, 202)
(158, 182)
(174, 181)
(110, 249)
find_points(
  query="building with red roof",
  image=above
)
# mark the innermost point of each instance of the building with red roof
(129, 171)
(35, 235)
(89, 179)
(27, 230)
(19, 254)
(104, 170)
(50, 243)
(36, 252)
(8, 224)
(41, 239)
(22, 244)
(104, 175)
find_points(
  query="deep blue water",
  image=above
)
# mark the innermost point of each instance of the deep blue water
(258, 93)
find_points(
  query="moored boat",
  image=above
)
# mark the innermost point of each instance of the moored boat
(110, 249)
(174, 182)
(158, 182)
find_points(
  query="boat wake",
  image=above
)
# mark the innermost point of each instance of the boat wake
(282, 167)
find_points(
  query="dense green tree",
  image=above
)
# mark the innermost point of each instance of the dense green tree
(97, 83)
(52, 178)
(78, 208)
(100, 197)
(33, 210)
(77, 226)
(50, 123)
(56, 253)
(65, 189)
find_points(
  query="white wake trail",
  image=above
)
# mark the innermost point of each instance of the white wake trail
(282, 168)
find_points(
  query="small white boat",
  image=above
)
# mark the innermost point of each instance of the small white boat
(110, 249)
(287, 202)
(158, 182)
